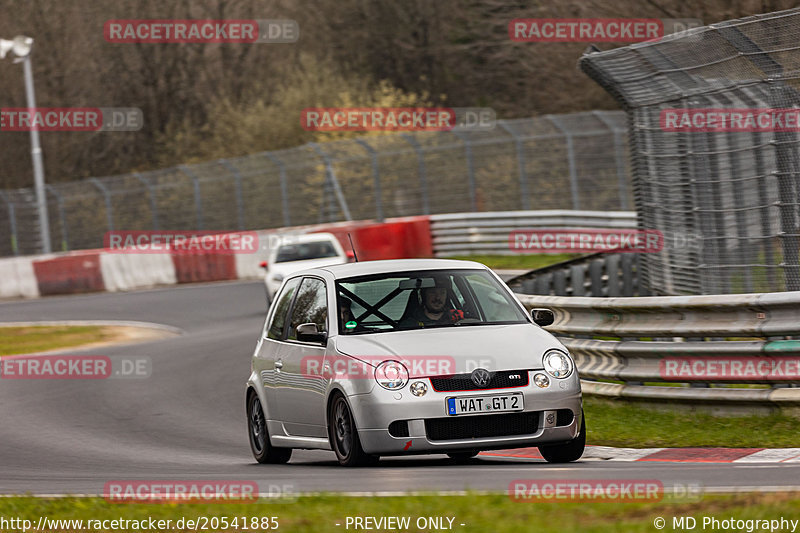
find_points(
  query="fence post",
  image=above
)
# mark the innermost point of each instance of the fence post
(12, 220)
(107, 198)
(619, 158)
(238, 192)
(331, 175)
(287, 219)
(523, 178)
(61, 217)
(376, 176)
(464, 137)
(573, 174)
(198, 200)
(423, 174)
(152, 197)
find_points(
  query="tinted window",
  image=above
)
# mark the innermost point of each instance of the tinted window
(279, 318)
(305, 251)
(311, 305)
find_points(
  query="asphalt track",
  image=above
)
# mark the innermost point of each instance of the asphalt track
(186, 421)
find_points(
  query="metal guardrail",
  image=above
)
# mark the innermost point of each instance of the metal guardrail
(598, 275)
(487, 233)
(629, 340)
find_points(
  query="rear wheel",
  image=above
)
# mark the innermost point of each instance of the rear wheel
(463, 457)
(344, 435)
(262, 449)
(568, 451)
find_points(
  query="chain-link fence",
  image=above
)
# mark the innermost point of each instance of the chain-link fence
(575, 161)
(733, 188)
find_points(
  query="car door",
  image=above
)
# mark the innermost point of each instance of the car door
(272, 344)
(300, 383)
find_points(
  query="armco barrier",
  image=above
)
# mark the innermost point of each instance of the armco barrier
(487, 233)
(71, 273)
(627, 339)
(125, 272)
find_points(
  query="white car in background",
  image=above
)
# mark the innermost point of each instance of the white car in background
(299, 252)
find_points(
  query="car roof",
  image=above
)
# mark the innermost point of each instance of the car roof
(365, 268)
(300, 238)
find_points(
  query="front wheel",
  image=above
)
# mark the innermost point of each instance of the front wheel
(262, 449)
(569, 451)
(344, 435)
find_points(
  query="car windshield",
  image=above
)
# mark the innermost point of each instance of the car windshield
(423, 299)
(305, 251)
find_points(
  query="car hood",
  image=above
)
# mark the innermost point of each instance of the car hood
(290, 267)
(464, 348)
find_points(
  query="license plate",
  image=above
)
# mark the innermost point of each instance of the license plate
(496, 403)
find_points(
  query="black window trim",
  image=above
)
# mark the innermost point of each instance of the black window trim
(287, 325)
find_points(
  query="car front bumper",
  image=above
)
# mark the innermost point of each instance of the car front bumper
(376, 410)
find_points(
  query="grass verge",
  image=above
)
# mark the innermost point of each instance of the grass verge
(479, 513)
(29, 339)
(610, 423)
(517, 262)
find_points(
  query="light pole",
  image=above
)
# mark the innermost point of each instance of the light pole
(21, 47)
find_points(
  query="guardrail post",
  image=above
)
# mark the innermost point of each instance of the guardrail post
(152, 199)
(423, 175)
(238, 191)
(198, 199)
(619, 158)
(573, 172)
(523, 177)
(376, 177)
(287, 219)
(12, 221)
(107, 197)
(61, 217)
(331, 177)
(464, 137)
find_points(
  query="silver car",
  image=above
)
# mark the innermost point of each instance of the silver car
(403, 357)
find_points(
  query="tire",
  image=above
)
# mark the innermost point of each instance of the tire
(344, 435)
(568, 451)
(263, 450)
(463, 457)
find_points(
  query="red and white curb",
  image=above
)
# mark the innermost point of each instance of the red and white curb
(669, 455)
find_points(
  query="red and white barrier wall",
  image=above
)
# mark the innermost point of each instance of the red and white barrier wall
(105, 270)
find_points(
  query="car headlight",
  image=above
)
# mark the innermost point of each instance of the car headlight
(391, 375)
(557, 364)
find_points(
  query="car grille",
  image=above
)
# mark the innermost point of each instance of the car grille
(481, 426)
(499, 380)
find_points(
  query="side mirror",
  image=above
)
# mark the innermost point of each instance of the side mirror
(543, 317)
(309, 333)
(263, 264)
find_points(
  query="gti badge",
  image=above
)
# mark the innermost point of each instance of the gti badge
(480, 377)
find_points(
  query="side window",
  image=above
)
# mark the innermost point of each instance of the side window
(279, 318)
(311, 305)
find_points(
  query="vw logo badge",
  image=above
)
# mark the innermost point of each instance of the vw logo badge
(480, 377)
